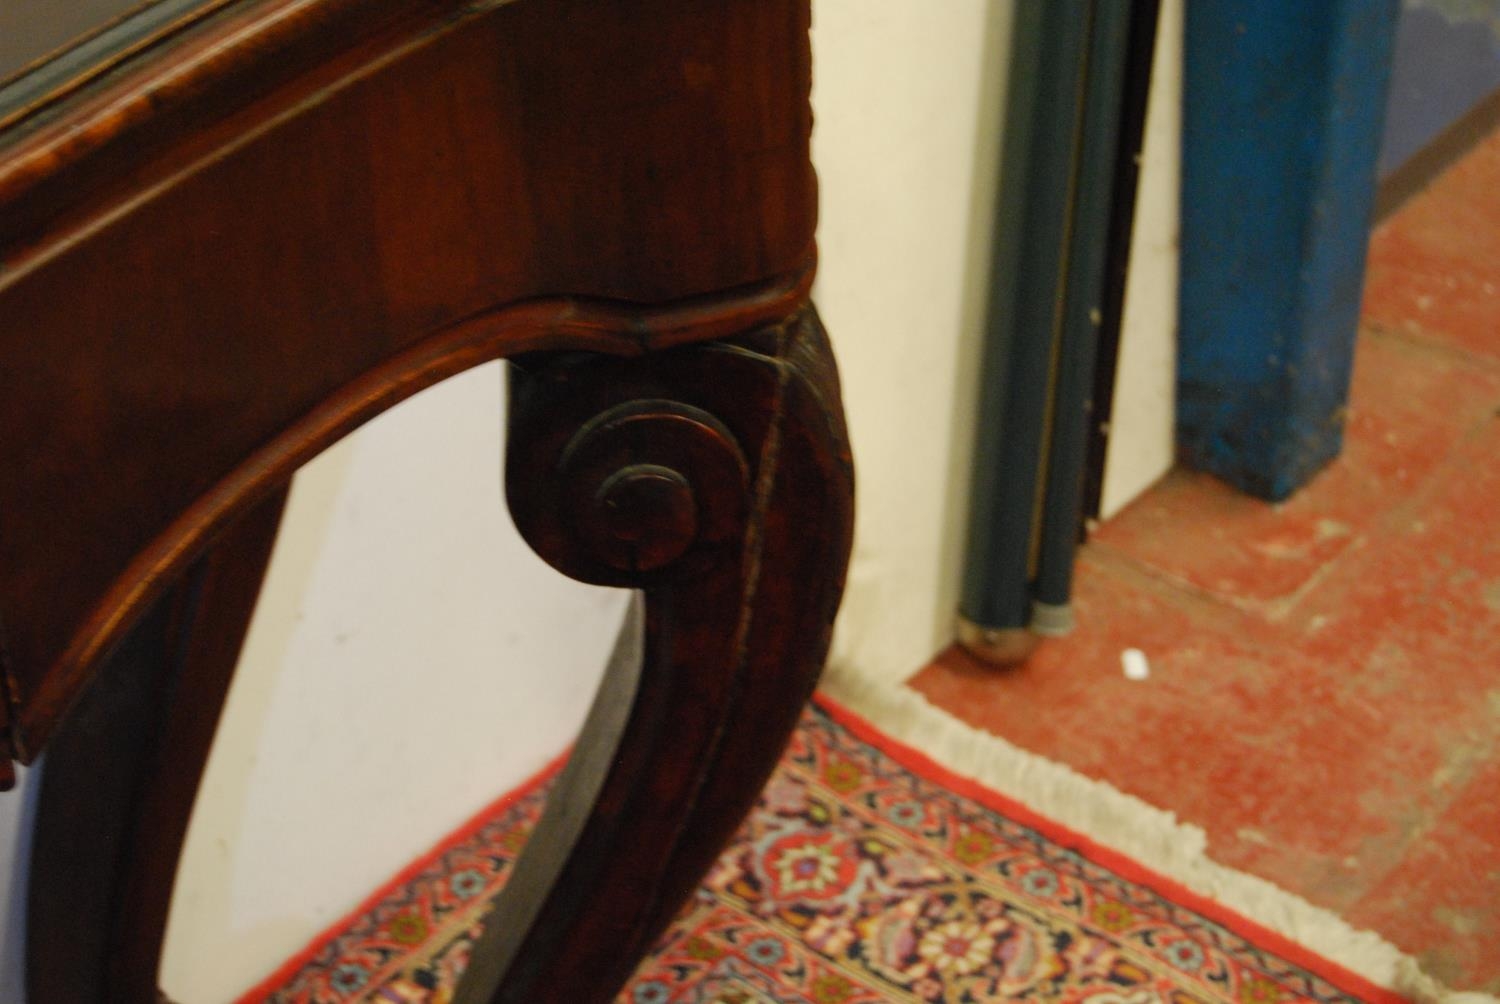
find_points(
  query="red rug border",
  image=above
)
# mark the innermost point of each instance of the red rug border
(923, 765)
(262, 990)
(1124, 866)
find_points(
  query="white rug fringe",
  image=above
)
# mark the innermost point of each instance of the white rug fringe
(1151, 836)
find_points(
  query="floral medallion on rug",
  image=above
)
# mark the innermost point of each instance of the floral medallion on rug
(866, 873)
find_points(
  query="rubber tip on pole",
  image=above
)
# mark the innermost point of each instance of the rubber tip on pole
(996, 646)
(1051, 620)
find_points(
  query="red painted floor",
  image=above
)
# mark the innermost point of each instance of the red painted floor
(1324, 696)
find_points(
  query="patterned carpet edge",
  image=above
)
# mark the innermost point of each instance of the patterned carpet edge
(1133, 835)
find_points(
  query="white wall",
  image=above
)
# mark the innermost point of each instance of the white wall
(1142, 442)
(908, 99)
(410, 660)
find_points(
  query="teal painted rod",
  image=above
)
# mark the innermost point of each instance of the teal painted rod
(1038, 166)
(1079, 80)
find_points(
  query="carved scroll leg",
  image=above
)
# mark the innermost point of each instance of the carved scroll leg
(716, 480)
(121, 775)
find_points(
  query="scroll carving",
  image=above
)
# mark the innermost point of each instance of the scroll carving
(716, 479)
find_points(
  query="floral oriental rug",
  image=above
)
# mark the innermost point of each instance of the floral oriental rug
(866, 873)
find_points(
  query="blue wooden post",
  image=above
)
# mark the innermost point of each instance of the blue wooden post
(1283, 107)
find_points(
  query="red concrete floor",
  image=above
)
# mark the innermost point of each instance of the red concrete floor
(1324, 696)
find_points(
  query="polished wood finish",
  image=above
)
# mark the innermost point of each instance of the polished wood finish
(282, 217)
(736, 629)
(644, 151)
(123, 771)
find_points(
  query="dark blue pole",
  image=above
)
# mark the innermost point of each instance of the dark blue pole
(1100, 195)
(1078, 86)
(1048, 81)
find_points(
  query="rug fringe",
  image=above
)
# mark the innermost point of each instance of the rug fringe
(1151, 836)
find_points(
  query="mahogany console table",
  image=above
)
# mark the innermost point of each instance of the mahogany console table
(233, 230)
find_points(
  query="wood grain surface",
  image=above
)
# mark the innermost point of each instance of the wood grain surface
(214, 263)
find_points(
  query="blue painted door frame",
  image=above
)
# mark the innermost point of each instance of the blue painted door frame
(1283, 109)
